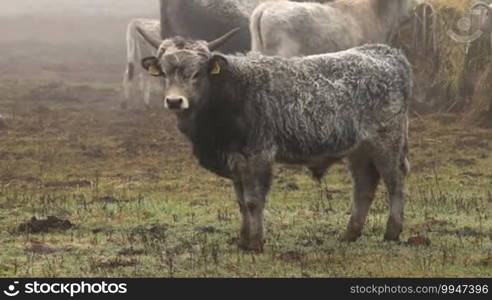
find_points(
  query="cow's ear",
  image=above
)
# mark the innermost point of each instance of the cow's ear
(217, 64)
(151, 64)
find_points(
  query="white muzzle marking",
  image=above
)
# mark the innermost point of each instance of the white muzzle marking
(175, 102)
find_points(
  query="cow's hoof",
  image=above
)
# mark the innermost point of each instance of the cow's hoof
(251, 247)
(391, 238)
(392, 235)
(242, 243)
(350, 236)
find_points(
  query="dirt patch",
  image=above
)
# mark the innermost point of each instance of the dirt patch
(293, 255)
(476, 142)
(43, 249)
(50, 224)
(109, 200)
(105, 200)
(461, 162)
(311, 241)
(472, 174)
(465, 231)
(206, 229)
(420, 241)
(429, 225)
(68, 184)
(131, 252)
(151, 235)
(11, 179)
(117, 263)
(486, 261)
(103, 229)
(94, 152)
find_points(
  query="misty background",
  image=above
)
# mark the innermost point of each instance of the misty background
(76, 40)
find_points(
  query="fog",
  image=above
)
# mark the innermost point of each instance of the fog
(69, 40)
(78, 7)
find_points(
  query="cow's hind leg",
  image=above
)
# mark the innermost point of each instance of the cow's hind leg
(365, 179)
(392, 164)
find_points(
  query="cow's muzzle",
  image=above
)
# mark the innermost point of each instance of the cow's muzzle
(176, 103)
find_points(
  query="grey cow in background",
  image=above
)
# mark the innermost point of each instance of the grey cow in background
(243, 113)
(136, 49)
(294, 29)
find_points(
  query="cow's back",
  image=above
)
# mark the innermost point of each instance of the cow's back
(327, 102)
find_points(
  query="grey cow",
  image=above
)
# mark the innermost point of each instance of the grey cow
(294, 29)
(242, 113)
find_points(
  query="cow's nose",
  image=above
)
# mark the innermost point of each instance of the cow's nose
(174, 102)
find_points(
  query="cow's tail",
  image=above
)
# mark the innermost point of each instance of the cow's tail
(405, 164)
(257, 42)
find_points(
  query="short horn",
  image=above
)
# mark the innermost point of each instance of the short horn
(213, 45)
(156, 43)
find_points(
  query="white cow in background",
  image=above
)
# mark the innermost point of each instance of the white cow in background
(138, 48)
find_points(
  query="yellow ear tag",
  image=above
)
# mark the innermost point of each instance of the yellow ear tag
(154, 71)
(216, 70)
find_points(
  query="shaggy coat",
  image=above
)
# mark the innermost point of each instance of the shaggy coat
(301, 109)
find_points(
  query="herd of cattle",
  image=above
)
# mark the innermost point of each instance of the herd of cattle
(319, 86)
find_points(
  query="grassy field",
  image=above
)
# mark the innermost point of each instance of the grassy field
(89, 190)
(125, 197)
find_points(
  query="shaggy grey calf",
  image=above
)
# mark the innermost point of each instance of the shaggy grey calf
(242, 113)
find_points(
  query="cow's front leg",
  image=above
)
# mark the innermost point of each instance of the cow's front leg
(244, 233)
(256, 181)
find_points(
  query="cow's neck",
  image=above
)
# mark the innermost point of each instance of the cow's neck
(216, 129)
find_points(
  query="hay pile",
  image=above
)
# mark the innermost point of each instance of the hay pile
(451, 76)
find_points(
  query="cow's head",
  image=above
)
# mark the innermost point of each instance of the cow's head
(186, 68)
